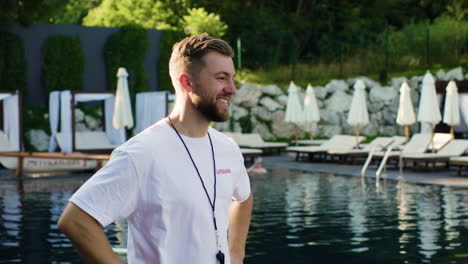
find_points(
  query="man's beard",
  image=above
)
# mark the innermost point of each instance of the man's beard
(210, 111)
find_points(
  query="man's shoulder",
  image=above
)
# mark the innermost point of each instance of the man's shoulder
(155, 135)
(223, 139)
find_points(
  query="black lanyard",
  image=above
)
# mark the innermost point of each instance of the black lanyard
(220, 254)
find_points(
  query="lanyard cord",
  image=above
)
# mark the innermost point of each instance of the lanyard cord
(212, 204)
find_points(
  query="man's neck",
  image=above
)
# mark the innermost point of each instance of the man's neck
(189, 124)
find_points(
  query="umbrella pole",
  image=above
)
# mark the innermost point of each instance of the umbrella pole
(452, 132)
(407, 132)
(432, 139)
(311, 133)
(296, 132)
(357, 136)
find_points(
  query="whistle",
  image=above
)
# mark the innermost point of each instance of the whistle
(220, 257)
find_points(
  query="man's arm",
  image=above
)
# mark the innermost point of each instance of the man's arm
(87, 235)
(239, 222)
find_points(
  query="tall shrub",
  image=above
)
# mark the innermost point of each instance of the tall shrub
(127, 48)
(63, 63)
(12, 62)
(169, 37)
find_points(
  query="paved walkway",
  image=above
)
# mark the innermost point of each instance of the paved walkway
(442, 176)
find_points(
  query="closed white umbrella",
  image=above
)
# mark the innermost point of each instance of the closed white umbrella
(294, 113)
(429, 111)
(358, 115)
(123, 109)
(451, 109)
(311, 111)
(405, 116)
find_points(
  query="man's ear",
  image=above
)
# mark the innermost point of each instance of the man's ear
(185, 83)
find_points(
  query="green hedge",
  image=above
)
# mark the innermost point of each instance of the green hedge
(127, 48)
(12, 62)
(63, 63)
(169, 38)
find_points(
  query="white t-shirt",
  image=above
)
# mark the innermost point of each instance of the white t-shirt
(151, 181)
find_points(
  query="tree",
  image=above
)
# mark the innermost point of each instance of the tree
(161, 14)
(199, 21)
(28, 11)
(74, 12)
(457, 12)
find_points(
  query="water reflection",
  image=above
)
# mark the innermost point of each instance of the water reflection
(337, 218)
(297, 217)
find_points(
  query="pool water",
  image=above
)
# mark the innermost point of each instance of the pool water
(298, 218)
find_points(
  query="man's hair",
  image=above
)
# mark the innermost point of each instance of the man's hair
(187, 54)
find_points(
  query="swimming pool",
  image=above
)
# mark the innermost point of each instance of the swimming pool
(298, 218)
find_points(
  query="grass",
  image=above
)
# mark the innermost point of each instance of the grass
(320, 74)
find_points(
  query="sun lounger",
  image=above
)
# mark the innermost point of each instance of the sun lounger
(309, 142)
(439, 141)
(454, 148)
(418, 143)
(248, 153)
(90, 142)
(254, 140)
(461, 162)
(378, 144)
(336, 142)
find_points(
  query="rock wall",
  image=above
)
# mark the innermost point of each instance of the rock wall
(261, 109)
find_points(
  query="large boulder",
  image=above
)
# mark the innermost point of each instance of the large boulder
(79, 115)
(320, 92)
(222, 126)
(281, 128)
(388, 117)
(382, 94)
(282, 99)
(336, 85)
(262, 112)
(338, 102)
(92, 123)
(440, 75)
(39, 139)
(397, 81)
(388, 130)
(263, 130)
(247, 95)
(237, 112)
(370, 129)
(454, 74)
(414, 82)
(328, 130)
(270, 104)
(330, 117)
(272, 90)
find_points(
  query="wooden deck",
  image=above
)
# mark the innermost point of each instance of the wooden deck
(99, 158)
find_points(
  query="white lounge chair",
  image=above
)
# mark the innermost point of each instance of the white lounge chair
(336, 142)
(454, 148)
(254, 140)
(461, 162)
(378, 144)
(248, 153)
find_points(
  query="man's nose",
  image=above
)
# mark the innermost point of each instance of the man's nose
(231, 89)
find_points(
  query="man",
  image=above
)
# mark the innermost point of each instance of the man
(181, 184)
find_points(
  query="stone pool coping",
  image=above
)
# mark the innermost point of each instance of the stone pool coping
(447, 177)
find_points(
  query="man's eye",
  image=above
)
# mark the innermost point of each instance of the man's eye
(221, 78)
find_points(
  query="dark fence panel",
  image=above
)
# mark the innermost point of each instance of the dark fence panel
(92, 40)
